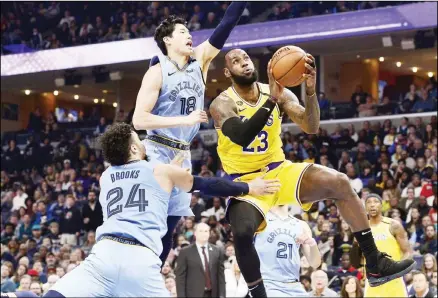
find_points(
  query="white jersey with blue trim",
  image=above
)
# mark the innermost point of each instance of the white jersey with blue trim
(279, 253)
(182, 92)
(134, 205)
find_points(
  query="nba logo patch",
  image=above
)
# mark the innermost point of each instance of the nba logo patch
(270, 120)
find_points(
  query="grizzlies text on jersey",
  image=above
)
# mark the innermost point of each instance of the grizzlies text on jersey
(280, 256)
(182, 92)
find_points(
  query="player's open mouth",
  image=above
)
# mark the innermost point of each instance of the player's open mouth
(248, 71)
(189, 44)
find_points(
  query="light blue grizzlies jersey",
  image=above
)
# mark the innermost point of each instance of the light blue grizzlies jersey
(182, 92)
(279, 253)
(134, 205)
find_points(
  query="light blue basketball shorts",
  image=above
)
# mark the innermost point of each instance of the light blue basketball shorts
(114, 269)
(281, 289)
(179, 203)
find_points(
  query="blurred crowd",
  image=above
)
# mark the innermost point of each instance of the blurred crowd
(50, 208)
(51, 25)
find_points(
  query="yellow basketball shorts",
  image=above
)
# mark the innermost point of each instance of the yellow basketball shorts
(394, 288)
(290, 175)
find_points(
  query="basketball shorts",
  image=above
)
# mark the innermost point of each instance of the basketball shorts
(114, 269)
(281, 289)
(290, 175)
(394, 288)
(179, 203)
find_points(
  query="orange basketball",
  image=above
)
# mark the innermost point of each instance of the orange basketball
(288, 66)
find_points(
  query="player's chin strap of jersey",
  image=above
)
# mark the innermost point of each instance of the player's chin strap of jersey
(243, 133)
(219, 187)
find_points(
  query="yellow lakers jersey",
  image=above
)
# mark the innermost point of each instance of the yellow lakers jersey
(263, 150)
(385, 241)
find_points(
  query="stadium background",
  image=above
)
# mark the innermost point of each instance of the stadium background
(66, 76)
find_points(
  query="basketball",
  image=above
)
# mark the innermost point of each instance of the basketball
(288, 66)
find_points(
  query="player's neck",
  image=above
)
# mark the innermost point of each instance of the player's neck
(352, 295)
(249, 93)
(375, 220)
(178, 59)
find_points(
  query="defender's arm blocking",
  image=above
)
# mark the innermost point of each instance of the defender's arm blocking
(170, 176)
(209, 49)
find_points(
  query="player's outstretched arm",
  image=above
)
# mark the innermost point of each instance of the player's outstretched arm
(309, 247)
(401, 236)
(209, 49)
(306, 117)
(169, 176)
(223, 110)
(147, 97)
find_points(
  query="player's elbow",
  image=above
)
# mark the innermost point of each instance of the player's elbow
(140, 122)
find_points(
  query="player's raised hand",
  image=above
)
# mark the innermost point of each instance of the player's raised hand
(260, 186)
(310, 74)
(196, 117)
(275, 88)
(304, 238)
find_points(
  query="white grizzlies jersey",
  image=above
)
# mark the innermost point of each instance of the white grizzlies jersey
(182, 92)
(279, 253)
(134, 205)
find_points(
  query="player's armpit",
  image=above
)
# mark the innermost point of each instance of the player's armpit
(401, 236)
(307, 117)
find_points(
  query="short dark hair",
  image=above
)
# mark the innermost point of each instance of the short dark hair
(115, 143)
(166, 28)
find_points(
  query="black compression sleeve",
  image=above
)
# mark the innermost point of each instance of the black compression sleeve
(242, 133)
(219, 187)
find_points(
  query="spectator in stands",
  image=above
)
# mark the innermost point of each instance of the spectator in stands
(234, 281)
(71, 222)
(7, 285)
(424, 104)
(67, 19)
(355, 182)
(324, 105)
(92, 213)
(211, 21)
(194, 24)
(429, 244)
(347, 269)
(386, 107)
(320, 285)
(351, 288)
(217, 208)
(36, 41)
(35, 121)
(421, 286)
(367, 109)
(275, 15)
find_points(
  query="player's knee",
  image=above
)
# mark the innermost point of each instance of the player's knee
(341, 187)
(244, 231)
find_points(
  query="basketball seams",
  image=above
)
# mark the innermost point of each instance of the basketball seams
(287, 54)
(292, 68)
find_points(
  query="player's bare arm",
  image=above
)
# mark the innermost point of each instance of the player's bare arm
(147, 97)
(401, 236)
(223, 110)
(306, 117)
(170, 176)
(309, 247)
(210, 48)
